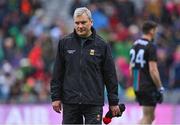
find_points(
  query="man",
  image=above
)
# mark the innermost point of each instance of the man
(143, 68)
(83, 64)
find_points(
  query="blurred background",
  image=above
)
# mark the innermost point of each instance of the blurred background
(30, 31)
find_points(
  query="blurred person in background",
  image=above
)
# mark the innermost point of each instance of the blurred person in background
(7, 79)
(175, 76)
(143, 69)
(83, 64)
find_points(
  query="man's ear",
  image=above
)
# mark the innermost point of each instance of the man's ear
(152, 31)
(92, 22)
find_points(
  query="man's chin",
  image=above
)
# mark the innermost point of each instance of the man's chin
(82, 34)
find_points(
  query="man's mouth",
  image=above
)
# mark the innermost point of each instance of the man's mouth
(81, 30)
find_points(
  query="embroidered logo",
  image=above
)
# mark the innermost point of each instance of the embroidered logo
(71, 51)
(92, 52)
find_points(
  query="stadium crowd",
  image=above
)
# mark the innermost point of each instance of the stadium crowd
(28, 44)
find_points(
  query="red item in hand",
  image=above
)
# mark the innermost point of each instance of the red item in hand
(106, 120)
(109, 116)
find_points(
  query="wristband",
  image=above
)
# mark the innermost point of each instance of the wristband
(161, 89)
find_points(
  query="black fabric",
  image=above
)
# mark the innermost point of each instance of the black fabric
(75, 114)
(81, 71)
(148, 98)
(148, 50)
(152, 52)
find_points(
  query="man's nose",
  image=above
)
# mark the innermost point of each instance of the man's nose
(80, 25)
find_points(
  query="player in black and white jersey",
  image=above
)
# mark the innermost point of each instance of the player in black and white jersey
(143, 68)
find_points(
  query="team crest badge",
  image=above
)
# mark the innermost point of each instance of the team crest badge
(92, 52)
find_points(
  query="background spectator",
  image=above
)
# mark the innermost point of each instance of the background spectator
(31, 29)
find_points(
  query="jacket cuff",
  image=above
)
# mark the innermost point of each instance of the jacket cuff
(113, 102)
(55, 99)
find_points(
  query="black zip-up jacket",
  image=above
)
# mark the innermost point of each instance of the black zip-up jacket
(82, 70)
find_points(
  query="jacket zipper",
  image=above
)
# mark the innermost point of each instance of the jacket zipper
(80, 94)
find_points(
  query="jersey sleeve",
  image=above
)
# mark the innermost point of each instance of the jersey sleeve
(152, 53)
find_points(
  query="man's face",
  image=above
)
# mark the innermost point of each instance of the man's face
(83, 25)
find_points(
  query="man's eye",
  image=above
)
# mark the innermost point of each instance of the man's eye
(83, 22)
(78, 23)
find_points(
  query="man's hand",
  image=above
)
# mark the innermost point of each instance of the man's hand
(57, 106)
(115, 110)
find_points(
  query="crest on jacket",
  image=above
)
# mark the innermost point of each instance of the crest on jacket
(92, 52)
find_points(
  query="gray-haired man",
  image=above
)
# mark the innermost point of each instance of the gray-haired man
(82, 67)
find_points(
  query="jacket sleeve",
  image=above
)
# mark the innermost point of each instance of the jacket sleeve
(58, 74)
(110, 77)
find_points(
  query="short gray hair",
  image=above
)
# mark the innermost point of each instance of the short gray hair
(81, 10)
